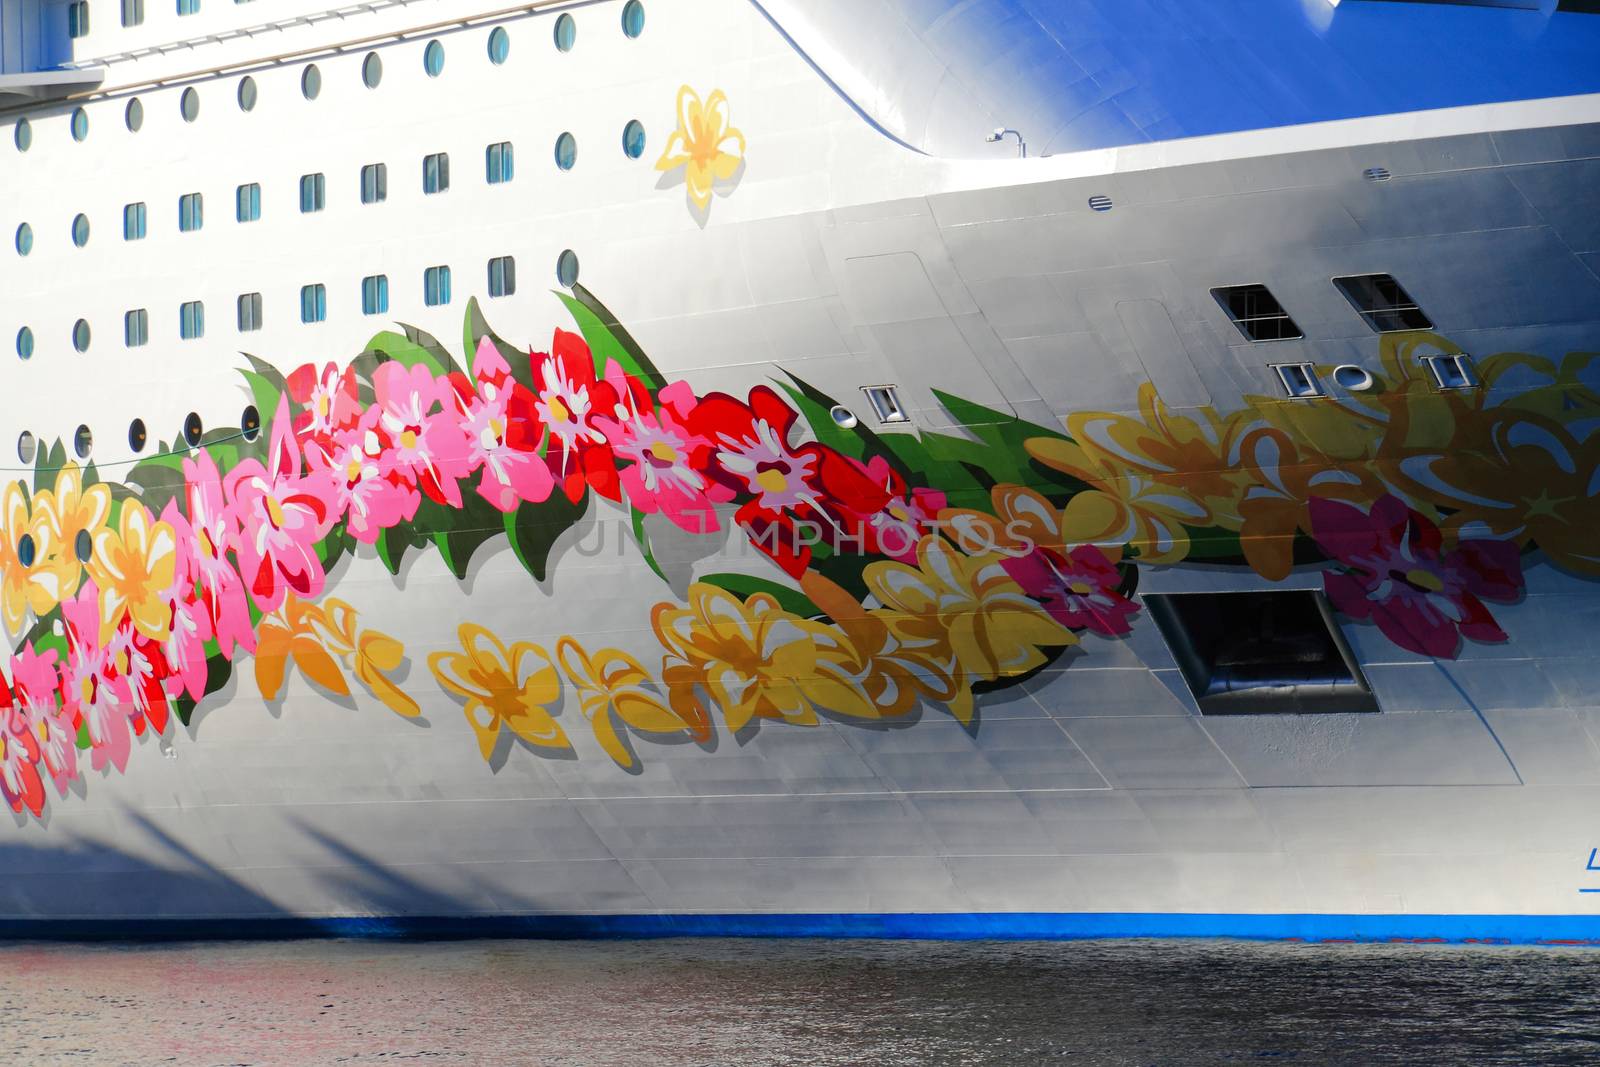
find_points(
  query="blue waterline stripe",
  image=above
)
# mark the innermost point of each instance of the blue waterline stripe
(1011, 926)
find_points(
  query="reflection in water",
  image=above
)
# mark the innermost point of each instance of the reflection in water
(792, 1002)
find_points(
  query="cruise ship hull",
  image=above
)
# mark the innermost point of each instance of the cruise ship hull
(365, 771)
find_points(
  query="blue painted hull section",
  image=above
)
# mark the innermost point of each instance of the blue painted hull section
(1019, 926)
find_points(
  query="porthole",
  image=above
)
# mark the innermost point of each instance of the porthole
(27, 551)
(80, 335)
(566, 33)
(22, 135)
(567, 268)
(433, 59)
(371, 70)
(133, 115)
(24, 343)
(189, 105)
(80, 125)
(566, 151)
(83, 442)
(250, 423)
(499, 45)
(843, 417)
(80, 230)
(24, 239)
(83, 545)
(26, 447)
(192, 429)
(247, 93)
(633, 18)
(137, 435)
(311, 82)
(633, 139)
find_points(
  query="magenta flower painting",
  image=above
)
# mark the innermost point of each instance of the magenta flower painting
(1395, 571)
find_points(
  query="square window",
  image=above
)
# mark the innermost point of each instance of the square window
(498, 162)
(191, 212)
(1261, 652)
(375, 294)
(188, 7)
(249, 312)
(436, 173)
(885, 401)
(502, 276)
(313, 193)
(1452, 371)
(436, 286)
(133, 219)
(1257, 313)
(1299, 380)
(374, 183)
(247, 202)
(1383, 303)
(78, 19)
(192, 320)
(313, 303)
(136, 327)
(132, 12)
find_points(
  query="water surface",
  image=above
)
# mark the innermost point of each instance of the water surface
(705, 1002)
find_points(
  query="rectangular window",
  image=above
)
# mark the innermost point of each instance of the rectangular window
(436, 286)
(247, 202)
(436, 173)
(374, 183)
(313, 303)
(375, 294)
(192, 320)
(136, 327)
(1261, 653)
(313, 193)
(133, 222)
(249, 312)
(502, 276)
(497, 162)
(1383, 303)
(132, 12)
(188, 7)
(78, 19)
(1257, 313)
(191, 212)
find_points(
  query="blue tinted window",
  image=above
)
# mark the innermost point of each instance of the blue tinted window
(566, 151)
(136, 327)
(433, 59)
(436, 172)
(133, 217)
(249, 312)
(80, 124)
(499, 45)
(375, 294)
(633, 18)
(502, 276)
(22, 135)
(633, 139)
(567, 268)
(313, 193)
(374, 183)
(436, 286)
(192, 320)
(78, 19)
(498, 162)
(311, 82)
(80, 335)
(25, 343)
(313, 303)
(191, 212)
(24, 239)
(372, 70)
(247, 202)
(80, 230)
(566, 33)
(132, 12)
(188, 7)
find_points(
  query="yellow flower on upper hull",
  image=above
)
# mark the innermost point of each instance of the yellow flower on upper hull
(38, 575)
(133, 566)
(705, 145)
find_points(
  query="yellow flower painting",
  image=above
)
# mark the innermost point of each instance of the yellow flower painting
(705, 146)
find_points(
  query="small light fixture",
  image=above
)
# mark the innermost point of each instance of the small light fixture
(1001, 133)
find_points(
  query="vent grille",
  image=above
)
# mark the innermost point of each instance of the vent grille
(1100, 203)
(1377, 174)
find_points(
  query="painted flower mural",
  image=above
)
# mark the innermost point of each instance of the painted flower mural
(903, 572)
(705, 146)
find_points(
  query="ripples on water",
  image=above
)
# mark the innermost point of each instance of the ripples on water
(744, 1003)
